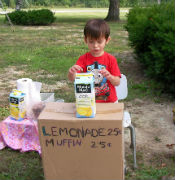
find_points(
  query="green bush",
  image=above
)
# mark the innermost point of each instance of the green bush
(32, 17)
(151, 33)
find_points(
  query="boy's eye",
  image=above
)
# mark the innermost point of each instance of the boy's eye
(98, 41)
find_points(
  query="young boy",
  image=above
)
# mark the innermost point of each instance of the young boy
(103, 65)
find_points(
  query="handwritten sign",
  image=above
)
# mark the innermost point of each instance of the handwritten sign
(73, 137)
(82, 148)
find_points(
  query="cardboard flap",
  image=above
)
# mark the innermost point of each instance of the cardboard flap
(110, 108)
(56, 110)
(67, 108)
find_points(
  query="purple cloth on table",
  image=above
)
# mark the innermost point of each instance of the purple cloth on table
(19, 135)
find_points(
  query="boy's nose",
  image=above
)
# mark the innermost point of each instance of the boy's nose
(95, 44)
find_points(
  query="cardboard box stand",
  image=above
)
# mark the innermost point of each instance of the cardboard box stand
(82, 148)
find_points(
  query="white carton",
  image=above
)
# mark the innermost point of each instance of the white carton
(17, 105)
(85, 95)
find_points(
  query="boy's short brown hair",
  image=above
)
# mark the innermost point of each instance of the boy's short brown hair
(96, 28)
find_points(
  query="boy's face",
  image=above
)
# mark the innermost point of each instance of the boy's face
(96, 46)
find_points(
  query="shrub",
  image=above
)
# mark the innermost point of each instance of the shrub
(151, 33)
(32, 17)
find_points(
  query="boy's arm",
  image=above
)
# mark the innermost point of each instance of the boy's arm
(72, 72)
(115, 80)
(71, 77)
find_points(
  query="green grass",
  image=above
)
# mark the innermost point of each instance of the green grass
(161, 165)
(148, 172)
(45, 54)
(54, 49)
(147, 89)
(4, 112)
(20, 166)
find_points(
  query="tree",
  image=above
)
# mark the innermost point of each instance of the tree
(18, 5)
(113, 12)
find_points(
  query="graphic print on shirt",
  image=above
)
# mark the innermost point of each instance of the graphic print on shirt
(101, 86)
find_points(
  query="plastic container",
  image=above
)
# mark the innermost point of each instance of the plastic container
(47, 97)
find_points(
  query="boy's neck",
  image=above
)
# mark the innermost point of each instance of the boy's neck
(97, 55)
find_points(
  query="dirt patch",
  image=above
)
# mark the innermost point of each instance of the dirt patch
(56, 86)
(39, 27)
(10, 75)
(7, 83)
(128, 66)
(153, 122)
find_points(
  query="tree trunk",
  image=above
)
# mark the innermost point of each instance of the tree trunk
(18, 5)
(113, 12)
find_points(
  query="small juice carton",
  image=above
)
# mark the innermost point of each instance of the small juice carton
(17, 105)
(85, 95)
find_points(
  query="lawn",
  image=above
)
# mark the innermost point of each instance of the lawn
(45, 53)
(42, 51)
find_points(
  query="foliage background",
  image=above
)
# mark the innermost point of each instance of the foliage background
(32, 17)
(151, 34)
(80, 3)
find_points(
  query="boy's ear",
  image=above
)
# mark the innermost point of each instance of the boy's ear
(85, 40)
(107, 41)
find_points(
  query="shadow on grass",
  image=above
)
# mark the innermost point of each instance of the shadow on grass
(71, 19)
(83, 20)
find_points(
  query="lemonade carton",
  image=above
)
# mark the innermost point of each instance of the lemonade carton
(17, 105)
(85, 95)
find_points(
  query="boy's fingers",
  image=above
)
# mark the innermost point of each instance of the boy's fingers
(71, 70)
(75, 68)
(78, 68)
(81, 69)
(103, 71)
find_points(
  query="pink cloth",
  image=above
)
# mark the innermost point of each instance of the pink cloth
(19, 135)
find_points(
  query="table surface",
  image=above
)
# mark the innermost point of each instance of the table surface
(19, 135)
(67, 111)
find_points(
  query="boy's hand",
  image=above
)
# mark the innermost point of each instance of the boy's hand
(72, 72)
(75, 68)
(105, 73)
(115, 80)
